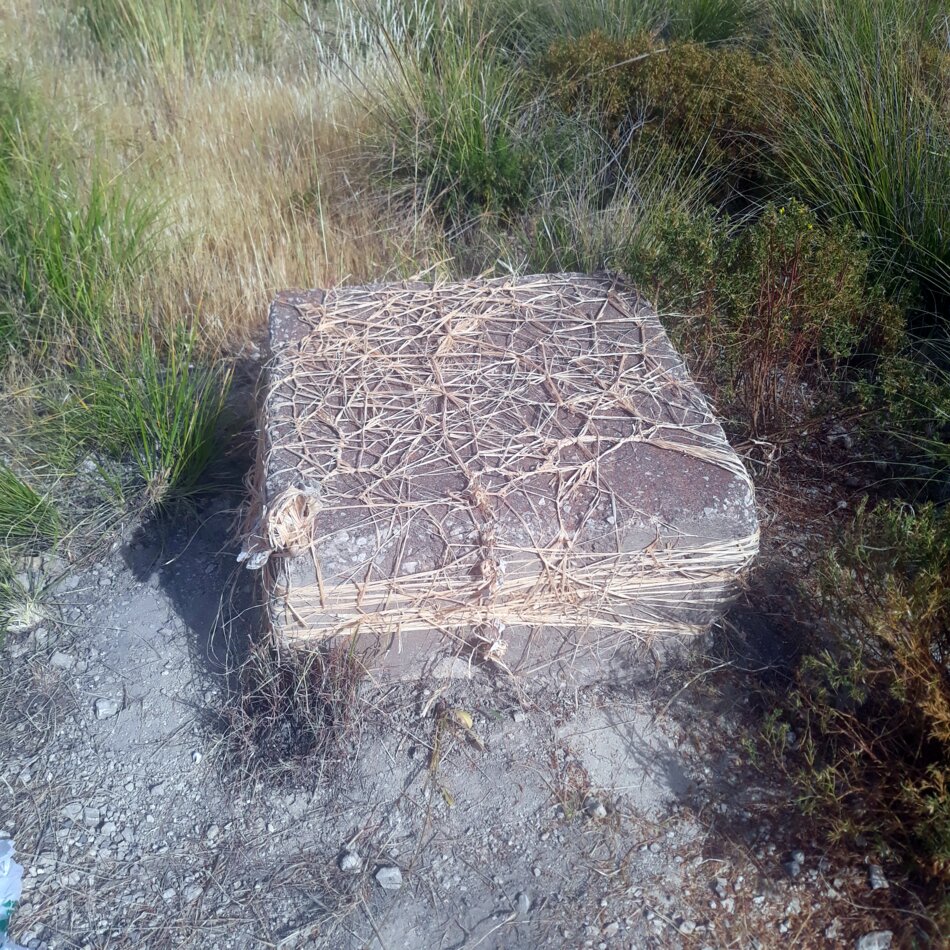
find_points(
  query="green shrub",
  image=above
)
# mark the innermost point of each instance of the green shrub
(159, 408)
(708, 102)
(870, 709)
(770, 305)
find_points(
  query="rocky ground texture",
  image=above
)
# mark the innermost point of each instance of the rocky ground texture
(150, 810)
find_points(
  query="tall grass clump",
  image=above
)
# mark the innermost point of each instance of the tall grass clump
(176, 39)
(26, 516)
(160, 409)
(457, 128)
(349, 36)
(865, 135)
(600, 205)
(75, 246)
(70, 247)
(713, 21)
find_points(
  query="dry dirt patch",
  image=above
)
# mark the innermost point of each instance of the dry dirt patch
(613, 816)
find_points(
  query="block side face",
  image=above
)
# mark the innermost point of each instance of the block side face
(494, 452)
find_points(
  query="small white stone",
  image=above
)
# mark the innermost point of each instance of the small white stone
(350, 862)
(389, 877)
(595, 808)
(876, 940)
(191, 893)
(62, 661)
(106, 708)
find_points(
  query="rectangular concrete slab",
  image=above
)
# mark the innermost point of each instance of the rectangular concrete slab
(514, 472)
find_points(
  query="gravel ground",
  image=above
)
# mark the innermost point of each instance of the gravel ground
(148, 814)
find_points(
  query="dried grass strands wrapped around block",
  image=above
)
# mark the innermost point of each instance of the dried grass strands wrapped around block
(473, 457)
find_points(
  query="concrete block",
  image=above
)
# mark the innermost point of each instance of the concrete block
(516, 473)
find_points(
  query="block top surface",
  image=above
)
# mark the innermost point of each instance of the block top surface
(408, 426)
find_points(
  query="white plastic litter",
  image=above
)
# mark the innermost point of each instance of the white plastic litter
(11, 886)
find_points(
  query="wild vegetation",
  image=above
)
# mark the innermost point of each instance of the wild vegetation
(773, 172)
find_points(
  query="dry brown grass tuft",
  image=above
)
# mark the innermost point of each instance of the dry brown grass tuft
(245, 162)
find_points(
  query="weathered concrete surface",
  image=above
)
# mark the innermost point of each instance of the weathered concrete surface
(515, 472)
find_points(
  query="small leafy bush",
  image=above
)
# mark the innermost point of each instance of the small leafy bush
(865, 732)
(706, 101)
(769, 305)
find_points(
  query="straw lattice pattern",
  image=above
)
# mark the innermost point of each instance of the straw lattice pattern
(469, 456)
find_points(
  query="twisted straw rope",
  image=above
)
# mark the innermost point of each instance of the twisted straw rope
(501, 406)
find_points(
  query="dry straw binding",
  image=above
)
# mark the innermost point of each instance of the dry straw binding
(470, 456)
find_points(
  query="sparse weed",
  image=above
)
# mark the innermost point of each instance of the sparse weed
(291, 708)
(570, 784)
(21, 600)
